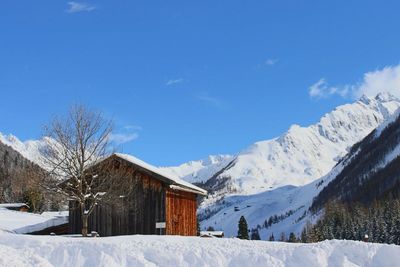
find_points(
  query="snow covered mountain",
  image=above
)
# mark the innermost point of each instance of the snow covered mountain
(297, 157)
(16, 171)
(275, 178)
(368, 172)
(30, 149)
(199, 171)
(287, 208)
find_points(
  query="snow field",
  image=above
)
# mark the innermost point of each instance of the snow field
(22, 250)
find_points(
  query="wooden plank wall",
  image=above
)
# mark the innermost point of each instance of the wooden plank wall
(148, 202)
(136, 213)
(181, 213)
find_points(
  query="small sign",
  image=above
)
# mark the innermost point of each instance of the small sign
(160, 225)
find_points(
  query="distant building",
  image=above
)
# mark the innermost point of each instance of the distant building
(218, 234)
(15, 206)
(157, 204)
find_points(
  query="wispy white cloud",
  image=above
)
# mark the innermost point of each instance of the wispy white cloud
(271, 61)
(75, 7)
(174, 81)
(321, 89)
(386, 80)
(122, 138)
(125, 134)
(211, 101)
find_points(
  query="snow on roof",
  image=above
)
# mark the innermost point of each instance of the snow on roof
(156, 170)
(25, 222)
(13, 205)
(212, 233)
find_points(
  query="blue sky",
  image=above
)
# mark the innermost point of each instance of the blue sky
(185, 79)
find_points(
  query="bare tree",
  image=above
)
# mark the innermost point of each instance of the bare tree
(73, 144)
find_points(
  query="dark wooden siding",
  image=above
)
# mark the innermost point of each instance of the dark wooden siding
(181, 213)
(150, 200)
(136, 213)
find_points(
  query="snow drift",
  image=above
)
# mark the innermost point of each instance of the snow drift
(19, 250)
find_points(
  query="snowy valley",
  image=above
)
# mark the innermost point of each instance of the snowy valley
(259, 183)
(278, 177)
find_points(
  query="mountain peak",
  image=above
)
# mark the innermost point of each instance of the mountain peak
(365, 99)
(386, 97)
(300, 155)
(382, 97)
(30, 149)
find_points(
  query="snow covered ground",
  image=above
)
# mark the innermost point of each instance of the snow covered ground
(24, 222)
(22, 250)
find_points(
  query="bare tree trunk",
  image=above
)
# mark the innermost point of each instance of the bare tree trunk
(84, 218)
(74, 143)
(84, 225)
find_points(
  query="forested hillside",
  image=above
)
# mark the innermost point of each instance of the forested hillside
(20, 180)
(363, 201)
(371, 174)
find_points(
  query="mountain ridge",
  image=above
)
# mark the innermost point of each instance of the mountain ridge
(297, 157)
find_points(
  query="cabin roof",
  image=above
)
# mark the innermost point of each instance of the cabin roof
(13, 205)
(212, 233)
(173, 180)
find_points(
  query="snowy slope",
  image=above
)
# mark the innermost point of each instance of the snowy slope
(304, 154)
(19, 250)
(199, 171)
(293, 203)
(297, 157)
(257, 208)
(30, 149)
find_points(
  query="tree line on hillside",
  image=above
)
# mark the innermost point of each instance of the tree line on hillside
(243, 233)
(20, 181)
(378, 222)
(363, 179)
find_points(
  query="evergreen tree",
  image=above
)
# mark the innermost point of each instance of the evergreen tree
(271, 237)
(380, 221)
(283, 237)
(198, 226)
(292, 238)
(243, 231)
(255, 235)
(34, 199)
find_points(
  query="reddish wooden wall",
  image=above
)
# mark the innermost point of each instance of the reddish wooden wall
(181, 213)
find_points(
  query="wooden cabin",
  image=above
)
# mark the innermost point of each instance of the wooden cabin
(153, 203)
(218, 234)
(15, 206)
